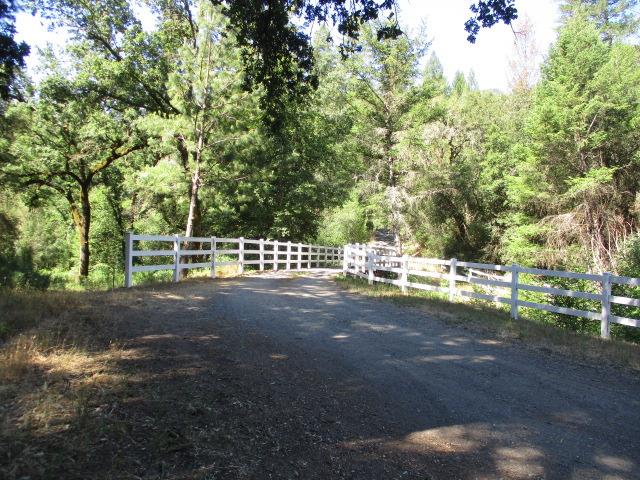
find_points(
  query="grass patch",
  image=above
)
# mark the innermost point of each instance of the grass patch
(57, 365)
(479, 317)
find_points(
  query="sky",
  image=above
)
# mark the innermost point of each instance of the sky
(444, 24)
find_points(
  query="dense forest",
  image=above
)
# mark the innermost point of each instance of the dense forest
(159, 131)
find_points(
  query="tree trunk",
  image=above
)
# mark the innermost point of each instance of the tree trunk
(84, 233)
(394, 205)
(194, 203)
(82, 221)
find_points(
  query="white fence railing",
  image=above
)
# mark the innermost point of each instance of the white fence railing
(360, 261)
(176, 249)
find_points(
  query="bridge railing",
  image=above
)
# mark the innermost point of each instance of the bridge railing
(178, 253)
(506, 283)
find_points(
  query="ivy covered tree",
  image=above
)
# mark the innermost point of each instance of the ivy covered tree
(65, 139)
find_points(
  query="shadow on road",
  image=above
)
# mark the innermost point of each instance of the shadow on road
(279, 377)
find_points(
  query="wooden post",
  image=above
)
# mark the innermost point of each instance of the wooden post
(176, 255)
(514, 291)
(453, 271)
(605, 319)
(289, 255)
(213, 257)
(345, 259)
(309, 256)
(299, 256)
(262, 254)
(128, 259)
(370, 266)
(241, 254)
(276, 252)
(405, 274)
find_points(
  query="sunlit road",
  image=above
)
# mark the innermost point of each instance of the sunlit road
(442, 401)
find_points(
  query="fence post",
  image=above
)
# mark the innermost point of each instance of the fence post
(289, 255)
(370, 266)
(213, 257)
(176, 254)
(309, 256)
(345, 259)
(606, 306)
(262, 254)
(514, 291)
(275, 255)
(128, 259)
(299, 256)
(241, 254)
(405, 274)
(453, 271)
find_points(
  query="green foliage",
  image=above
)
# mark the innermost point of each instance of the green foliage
(574, 190)
(345, 224)
(163, 131)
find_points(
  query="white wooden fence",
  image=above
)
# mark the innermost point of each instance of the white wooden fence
(361, 261)
(175, 249)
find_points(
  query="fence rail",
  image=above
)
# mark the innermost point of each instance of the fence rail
(263, 253)
(361, 261)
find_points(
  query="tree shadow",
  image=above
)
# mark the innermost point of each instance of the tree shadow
(293, 378)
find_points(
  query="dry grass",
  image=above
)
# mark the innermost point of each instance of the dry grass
(477, 316)
(56, 365)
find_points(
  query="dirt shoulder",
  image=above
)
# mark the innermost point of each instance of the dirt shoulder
(275, 377)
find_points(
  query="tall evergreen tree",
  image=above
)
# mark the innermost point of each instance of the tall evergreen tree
(616, 19)
(577, 185)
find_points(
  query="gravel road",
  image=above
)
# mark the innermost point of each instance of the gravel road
(343, 386)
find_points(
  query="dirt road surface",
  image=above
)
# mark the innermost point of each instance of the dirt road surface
(291, 377)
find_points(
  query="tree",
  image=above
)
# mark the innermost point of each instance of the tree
(523, 62)
(12, 54)
(287, 179)
(616, 19)
(387, 104)
(203, 86)
(577, 181)
(273, 34)
(65, 139)
(455, 182)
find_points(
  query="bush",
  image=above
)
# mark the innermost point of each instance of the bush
(345, 224)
